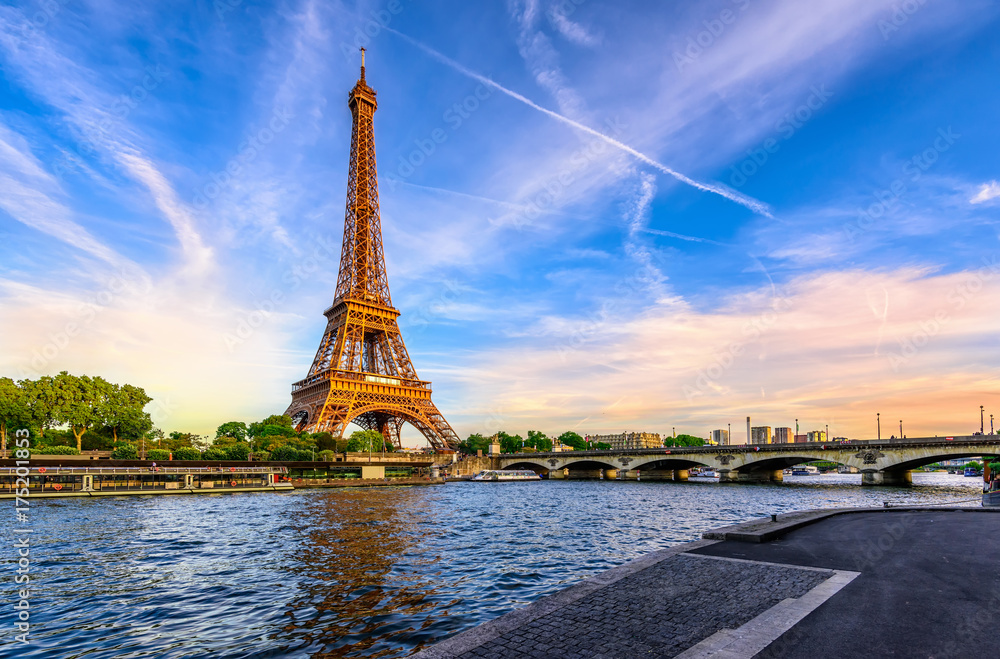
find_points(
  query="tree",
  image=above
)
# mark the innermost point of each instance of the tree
(285, 453)
(187, 453)
(365, 440)
(235, 429)
(122, 409)
(125, 452)
(176, 440)
(79, 403)
(538, 440)
(473, 444)
(238, 451)
(684, 440)
(14, 412)
(510, 443)
(601, 446)
(279, 424)
(157, 454)
(573, 439)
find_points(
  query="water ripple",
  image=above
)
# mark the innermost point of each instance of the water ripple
(375, 572)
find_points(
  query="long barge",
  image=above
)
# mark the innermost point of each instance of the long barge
(41, 481)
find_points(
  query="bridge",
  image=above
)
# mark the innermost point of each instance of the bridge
(881, 462)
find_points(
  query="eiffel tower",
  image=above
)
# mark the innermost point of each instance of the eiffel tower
(362, 372)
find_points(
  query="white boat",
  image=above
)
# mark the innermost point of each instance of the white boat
(703, 473)
(805, 470)
(506, 475)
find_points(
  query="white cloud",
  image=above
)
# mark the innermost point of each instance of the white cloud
(987, 192)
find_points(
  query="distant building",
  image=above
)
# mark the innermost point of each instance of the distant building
(817, 436)
(630, 440)
(783, 436)
(720, 437)
(801, 439)
(760, 435)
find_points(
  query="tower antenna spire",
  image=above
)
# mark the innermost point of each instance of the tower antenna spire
(362, 63)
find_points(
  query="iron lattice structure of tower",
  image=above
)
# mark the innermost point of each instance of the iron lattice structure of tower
(362, 371)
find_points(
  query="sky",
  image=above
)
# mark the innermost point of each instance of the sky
(597, 216)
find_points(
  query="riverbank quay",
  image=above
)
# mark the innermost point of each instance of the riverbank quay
(903, 581)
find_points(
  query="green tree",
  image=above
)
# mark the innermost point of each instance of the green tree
(273, 423)
(14, 411)
(79, 402)
(235, 429)
(285, 453)
(238, 451)
(510, 443)
(122, 409)
(187, 453)
(473, 444)
(538, 441)
(157, 454)
(214, 453)
(601, 446)
(570, 438)
(684, 440)
(366, 440)
(125, 452)
(176, 440)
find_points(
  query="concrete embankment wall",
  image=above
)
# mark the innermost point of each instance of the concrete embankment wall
(470, 465)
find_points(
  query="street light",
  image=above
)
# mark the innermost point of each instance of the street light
(729, 432)
(991, 424)
(878, 424)
(981, 420)
(901, 429)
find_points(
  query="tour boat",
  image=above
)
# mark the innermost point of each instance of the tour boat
(707, 472)
(506, 475)
(805, 470)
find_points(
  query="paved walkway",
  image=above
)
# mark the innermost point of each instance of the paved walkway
(913, 583)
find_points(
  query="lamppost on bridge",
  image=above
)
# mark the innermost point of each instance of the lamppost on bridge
(991, 424)
(981, 428)
(729, 432)
(878, 425)
(901, 429)
(828, 432)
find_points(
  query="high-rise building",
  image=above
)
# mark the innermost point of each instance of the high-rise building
(801, 439)
(720, 437)
(783, 436)
(760, 435)
(817, 436)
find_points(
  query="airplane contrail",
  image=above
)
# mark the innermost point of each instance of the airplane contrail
(756, 206)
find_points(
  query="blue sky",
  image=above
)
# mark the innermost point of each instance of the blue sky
(599, 216)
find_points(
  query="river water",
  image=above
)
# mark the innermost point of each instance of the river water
(361, 571)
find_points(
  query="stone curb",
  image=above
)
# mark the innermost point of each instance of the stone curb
(493, 629)
(766, 530)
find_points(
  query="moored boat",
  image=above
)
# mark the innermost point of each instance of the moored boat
(805, 470)
(75, 481)
(991, 485)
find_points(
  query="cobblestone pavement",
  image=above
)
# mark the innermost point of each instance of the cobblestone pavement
(659, 611)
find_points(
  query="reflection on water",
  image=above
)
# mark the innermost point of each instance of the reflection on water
(364, 572)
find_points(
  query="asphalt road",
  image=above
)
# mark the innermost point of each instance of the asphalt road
(929, 585)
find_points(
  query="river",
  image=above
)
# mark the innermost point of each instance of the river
(362, 571)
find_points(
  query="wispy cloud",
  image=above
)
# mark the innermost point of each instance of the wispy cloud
(987, 192)
(723, 191)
